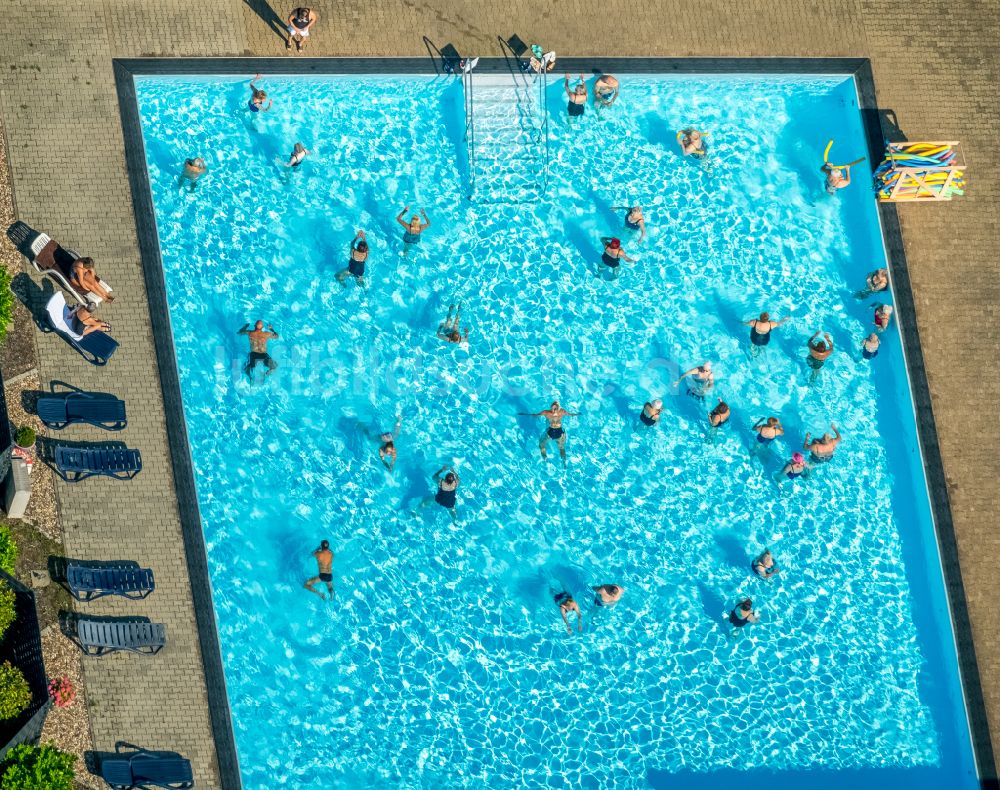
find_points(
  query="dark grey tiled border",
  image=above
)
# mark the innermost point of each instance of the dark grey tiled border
(194, 539)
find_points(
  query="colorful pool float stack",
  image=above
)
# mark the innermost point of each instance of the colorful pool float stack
(920, 171)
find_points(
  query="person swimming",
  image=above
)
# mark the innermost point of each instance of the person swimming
(869, 346)
(258, 97)
(743, 614)
(298, 155)
(699, 380)
(613, 253)
(355, 261)
(836, 177)
(760, 330)
(768, 430)
(692, 143)
(566, 605)
(450, 330)
(765, 566)
(387, 452)
(651, 411)
(796, 467)
(607, 594)
(577, 97)
(413, 228)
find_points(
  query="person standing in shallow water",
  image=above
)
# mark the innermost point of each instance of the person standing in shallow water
(413, 228)
(356, 259)
(554, 414)
(760, 331)
(768, 430)
(699, 380)
(869, 346)
(193, 170)
(819, 353)
(765, 566)
(447, 492)
(577, 97)
(607, 594)
(324, 560)
(743, 614)
(258, 97)
(651, 412)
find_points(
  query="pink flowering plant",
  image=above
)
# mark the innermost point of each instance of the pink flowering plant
(62, 692)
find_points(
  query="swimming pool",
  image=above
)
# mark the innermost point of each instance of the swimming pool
(443, 660)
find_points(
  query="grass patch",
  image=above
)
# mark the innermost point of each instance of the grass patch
(34, 550)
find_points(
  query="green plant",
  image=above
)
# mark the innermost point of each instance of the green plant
(37, 768)
(8, 550)
(24, 436)
(7, 602)
(6, 303)
(15, 695)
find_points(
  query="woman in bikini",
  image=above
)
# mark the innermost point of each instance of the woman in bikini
(86, 322)
(760, 331)
(84, 278)
(719, 415)
(298, 155)
(356, 261)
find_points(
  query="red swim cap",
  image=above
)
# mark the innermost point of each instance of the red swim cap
(615, 244)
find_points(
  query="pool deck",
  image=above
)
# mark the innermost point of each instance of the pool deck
(59, 105)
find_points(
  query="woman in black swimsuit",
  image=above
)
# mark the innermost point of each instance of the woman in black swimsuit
(446, 495)
(577, 97)
(356, 261)
(760, 331)
(613, 254)
(743, 614)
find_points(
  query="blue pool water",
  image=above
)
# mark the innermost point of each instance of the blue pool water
(442, 660)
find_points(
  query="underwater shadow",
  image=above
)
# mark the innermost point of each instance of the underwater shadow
(712, 604)
(733, 551)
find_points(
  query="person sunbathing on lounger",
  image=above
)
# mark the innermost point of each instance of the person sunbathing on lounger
(258, 347)
(86, 322)
(85, 280)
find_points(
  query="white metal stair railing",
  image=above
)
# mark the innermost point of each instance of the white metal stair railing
(510, 128)
(470, 129)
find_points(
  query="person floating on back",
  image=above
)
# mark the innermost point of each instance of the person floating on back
(258, 97)
(450, 331)
(324, 560)
(356, 261)
(566, 605)
(554, 414)
(413, 228)
(300, 22)
(258, 348)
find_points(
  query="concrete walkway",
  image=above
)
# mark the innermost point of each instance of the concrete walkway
(935, 64)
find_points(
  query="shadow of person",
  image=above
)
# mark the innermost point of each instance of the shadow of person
(34, 297)
(263, 9)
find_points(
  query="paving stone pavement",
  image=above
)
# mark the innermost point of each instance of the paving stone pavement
(934, 63)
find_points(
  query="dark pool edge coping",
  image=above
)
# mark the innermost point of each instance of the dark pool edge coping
(194, 540)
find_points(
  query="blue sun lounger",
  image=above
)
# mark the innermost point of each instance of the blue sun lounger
(141, 768)
(100, 637)
(87, 582)
(95, 347)
(101, 411)
(74, 464)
